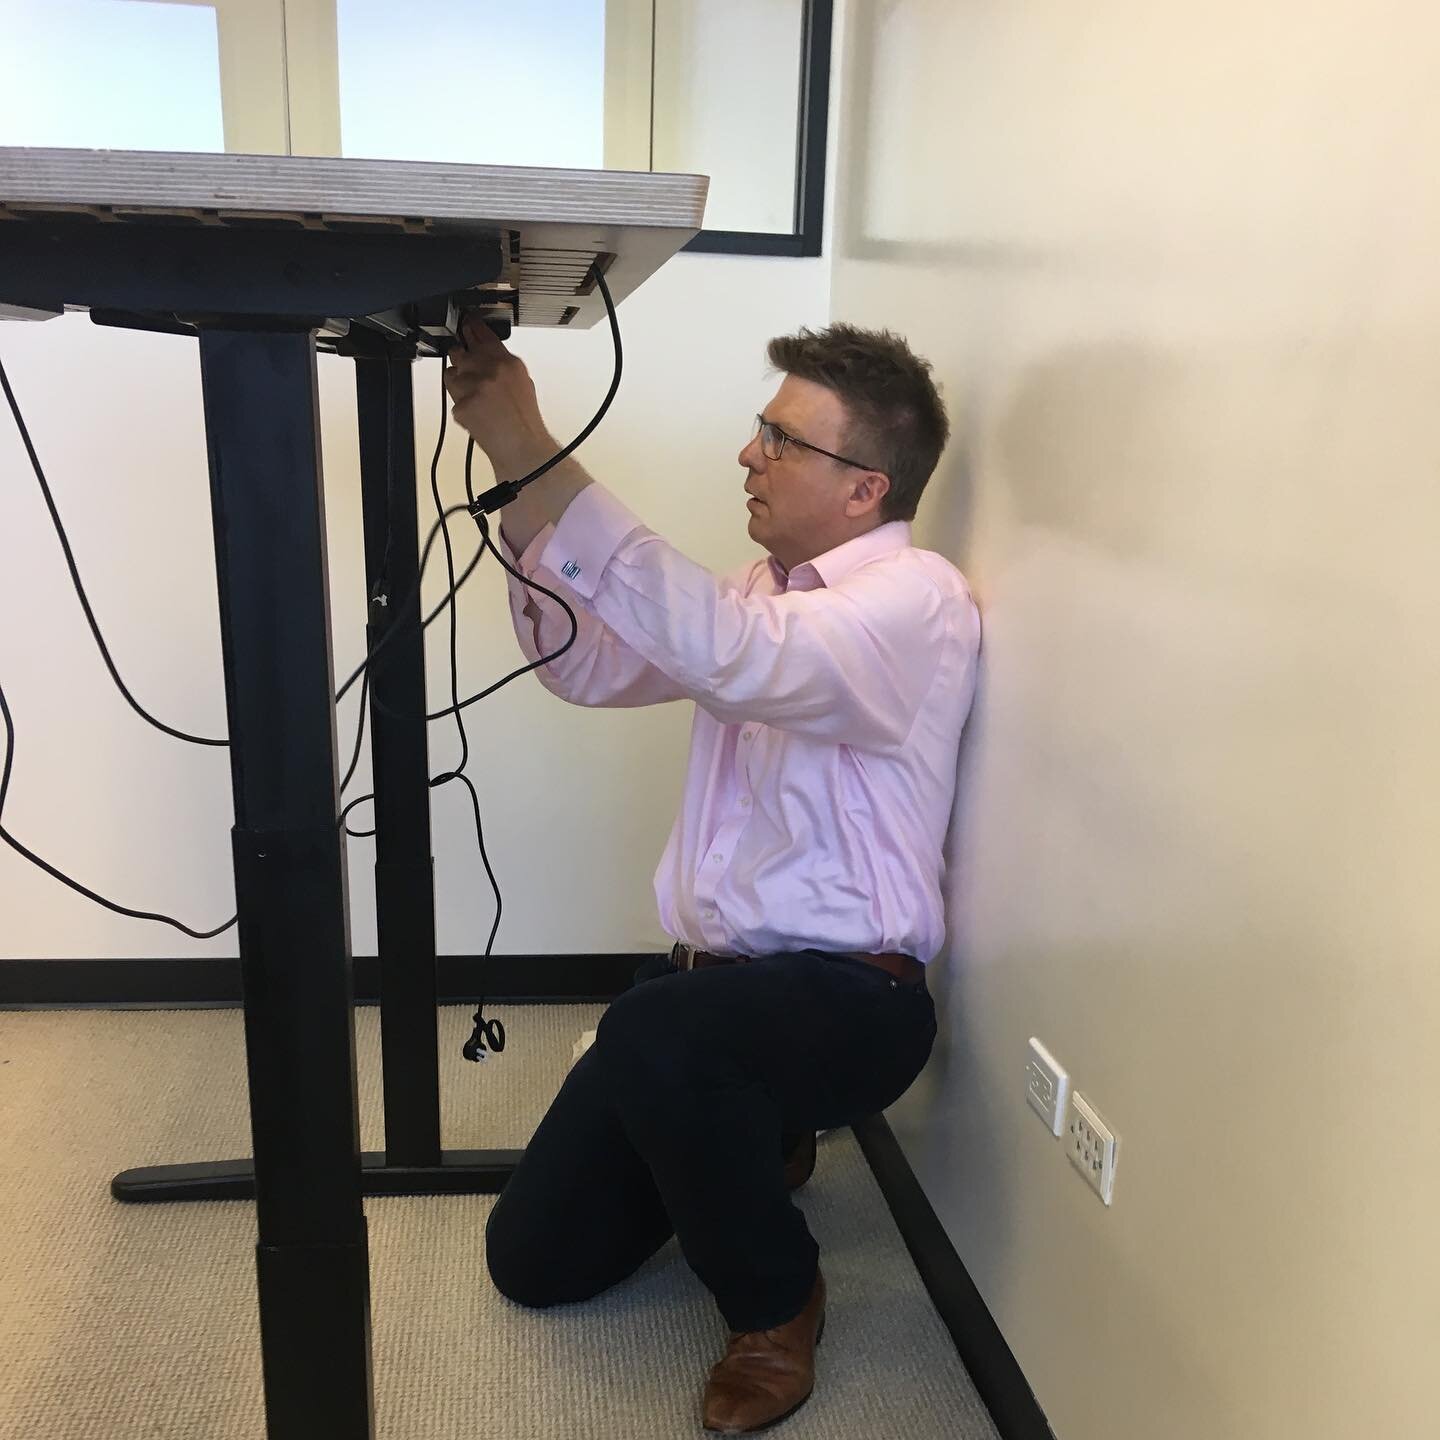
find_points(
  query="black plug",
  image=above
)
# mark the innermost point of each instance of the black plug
(491, 1030)
(493, 499)
(499, 325)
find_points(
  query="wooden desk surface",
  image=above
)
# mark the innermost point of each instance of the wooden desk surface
(558, 220)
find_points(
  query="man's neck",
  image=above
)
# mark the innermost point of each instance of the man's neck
(816, 550)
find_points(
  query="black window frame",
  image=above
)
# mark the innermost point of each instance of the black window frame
(807, 238)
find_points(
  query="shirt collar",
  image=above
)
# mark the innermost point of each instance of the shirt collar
(834, 565)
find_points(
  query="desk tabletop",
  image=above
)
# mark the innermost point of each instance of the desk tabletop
(557, 221)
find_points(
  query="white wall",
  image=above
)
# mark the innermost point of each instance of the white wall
(1177, 270)
(578, 806)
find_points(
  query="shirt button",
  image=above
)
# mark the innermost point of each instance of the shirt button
(744, 802)
(746, 734)
(718, 858)
(709, 914)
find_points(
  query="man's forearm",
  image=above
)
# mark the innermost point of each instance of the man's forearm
(495, 401)
(543, 501)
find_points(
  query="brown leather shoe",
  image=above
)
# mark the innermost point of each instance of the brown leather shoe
(800, 1162)
(766, 1375)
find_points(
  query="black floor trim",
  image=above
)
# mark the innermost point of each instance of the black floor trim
(982, 1348)
(213, 983)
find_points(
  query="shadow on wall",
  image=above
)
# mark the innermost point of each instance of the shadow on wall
(1098, 445)
(943, 1097)
(1279, 463)
(859, 218)
(947, 508)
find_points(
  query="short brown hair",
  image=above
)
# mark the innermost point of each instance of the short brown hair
(897, 419)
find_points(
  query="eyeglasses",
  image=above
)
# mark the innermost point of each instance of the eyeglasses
(773, 441)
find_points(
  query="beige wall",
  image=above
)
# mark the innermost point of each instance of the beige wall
(578, 807)
(1177, 269)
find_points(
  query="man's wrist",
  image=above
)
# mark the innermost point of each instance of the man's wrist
(516, 460)
(543, 502)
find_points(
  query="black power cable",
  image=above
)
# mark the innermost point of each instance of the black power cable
(406, 628)
(506, 491)
(492, 1030)
(134, 704)
(95, 626)
(24, 850)
(359, 736)
(360, 673)
(487, 504)
(59, 875)
(492, 500)
(5, 835)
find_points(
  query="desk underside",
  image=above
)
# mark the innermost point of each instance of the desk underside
(551, 226)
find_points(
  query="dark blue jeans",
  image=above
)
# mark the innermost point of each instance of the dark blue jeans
(675, 1122)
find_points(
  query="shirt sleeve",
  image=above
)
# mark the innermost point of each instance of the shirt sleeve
(850, 664)
(599, 669)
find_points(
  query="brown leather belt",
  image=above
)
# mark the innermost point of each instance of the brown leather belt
(901, 967)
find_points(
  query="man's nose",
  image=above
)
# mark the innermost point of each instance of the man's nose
(752, 457)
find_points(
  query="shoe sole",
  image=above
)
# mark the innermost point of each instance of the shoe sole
(779, 1419)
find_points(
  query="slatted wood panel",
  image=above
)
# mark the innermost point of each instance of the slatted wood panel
(558, 221)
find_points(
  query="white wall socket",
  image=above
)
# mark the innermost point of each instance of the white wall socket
(1094, 1147)
(1046, 1085)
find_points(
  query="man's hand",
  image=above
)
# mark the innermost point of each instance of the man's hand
(494, 399)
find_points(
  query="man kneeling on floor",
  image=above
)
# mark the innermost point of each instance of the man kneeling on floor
(802, 880)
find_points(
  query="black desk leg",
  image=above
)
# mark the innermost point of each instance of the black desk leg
(404, 870)
(313, 1256)
(412, 1162)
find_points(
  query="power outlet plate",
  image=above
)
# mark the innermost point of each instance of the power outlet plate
(1046, 1085)
(1094, 1147)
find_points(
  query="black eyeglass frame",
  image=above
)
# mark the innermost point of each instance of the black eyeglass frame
(762, 425)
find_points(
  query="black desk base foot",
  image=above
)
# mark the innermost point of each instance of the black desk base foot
(460, 1172)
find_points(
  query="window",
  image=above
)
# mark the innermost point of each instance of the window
(735, 89)
(111, 74)
(469, 93)
(741, 94)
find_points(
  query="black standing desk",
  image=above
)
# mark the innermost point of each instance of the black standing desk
(262, 258)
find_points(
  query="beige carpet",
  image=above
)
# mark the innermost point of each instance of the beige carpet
(130, 1321)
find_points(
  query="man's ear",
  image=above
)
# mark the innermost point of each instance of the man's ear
(869, 490)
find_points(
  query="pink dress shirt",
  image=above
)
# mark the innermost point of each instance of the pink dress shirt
(829, 705)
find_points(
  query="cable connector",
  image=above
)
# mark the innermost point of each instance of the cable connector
(494, 498)
(491, 1030)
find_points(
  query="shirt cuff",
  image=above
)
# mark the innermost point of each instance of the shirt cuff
(529, 562)
(591, 530)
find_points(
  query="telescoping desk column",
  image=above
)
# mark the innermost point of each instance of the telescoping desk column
(262, 258)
